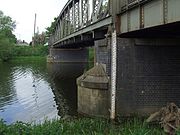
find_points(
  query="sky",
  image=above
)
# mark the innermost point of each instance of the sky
(23, 12)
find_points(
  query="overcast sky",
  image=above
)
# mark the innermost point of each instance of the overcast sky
(23, 12)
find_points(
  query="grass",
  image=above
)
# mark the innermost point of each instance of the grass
(81, 126)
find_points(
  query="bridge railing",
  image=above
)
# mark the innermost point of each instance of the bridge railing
(78, 14)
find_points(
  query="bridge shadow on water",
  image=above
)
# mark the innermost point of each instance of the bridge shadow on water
(63, 78)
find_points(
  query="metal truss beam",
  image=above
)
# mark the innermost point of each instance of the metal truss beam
(75, 18)
(105, 22)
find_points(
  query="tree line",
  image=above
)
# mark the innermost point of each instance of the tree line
(7, 38)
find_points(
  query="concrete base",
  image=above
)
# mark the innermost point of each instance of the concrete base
(93, 102)
(93, 92)
(68, 55)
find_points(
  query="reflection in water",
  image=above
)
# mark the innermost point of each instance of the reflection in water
(25, 93)
(64, 88)
(33, 91)
(7, 93)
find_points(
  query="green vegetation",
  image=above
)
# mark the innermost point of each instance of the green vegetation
(51, 29)
(5, 49)
(38, 50)
(19, 52)
(7, 38)
(83, 126)
(91, 54)
(28, 59)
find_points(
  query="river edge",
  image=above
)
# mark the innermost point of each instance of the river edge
(76, 125)
(26, 58)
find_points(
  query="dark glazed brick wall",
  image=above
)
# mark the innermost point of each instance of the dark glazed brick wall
(103, 53)
(125, 73)
(157, 75)
(148, 77)
(70, 55)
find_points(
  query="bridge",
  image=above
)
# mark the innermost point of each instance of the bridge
(136, 41)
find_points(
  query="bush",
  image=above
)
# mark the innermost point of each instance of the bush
(91, 54)
(8, 50)
(5, 49)
(39, 50)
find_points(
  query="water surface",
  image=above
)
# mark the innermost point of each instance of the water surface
(32, 91)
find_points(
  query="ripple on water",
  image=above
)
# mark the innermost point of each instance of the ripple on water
(26, 96)
(35, 91)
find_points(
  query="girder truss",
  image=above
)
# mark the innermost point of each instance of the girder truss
(78, 14)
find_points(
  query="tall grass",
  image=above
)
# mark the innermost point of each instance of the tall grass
(5, 49)
(83, 126)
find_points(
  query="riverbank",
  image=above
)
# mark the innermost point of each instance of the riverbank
(23, 51)
(31, 53)
(24, 59)
(39, 50)
(28, 58)
(82, 126)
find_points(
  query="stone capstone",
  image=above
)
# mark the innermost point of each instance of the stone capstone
(95, 78)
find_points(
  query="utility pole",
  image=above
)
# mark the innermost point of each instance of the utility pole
(33, 42)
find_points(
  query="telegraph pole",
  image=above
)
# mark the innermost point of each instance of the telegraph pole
(34, 30)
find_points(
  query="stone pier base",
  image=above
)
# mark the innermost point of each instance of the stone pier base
(93, 92)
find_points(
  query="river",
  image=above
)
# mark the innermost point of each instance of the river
(34, 91)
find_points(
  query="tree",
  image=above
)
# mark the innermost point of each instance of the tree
(50, 30)
(5, 49)
(7, 33)
(7, 25)
(40, 39)
(7, 38)
(6, 22)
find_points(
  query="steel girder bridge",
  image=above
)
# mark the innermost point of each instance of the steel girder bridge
(144, 39)
(83, 21)
(80, 22)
